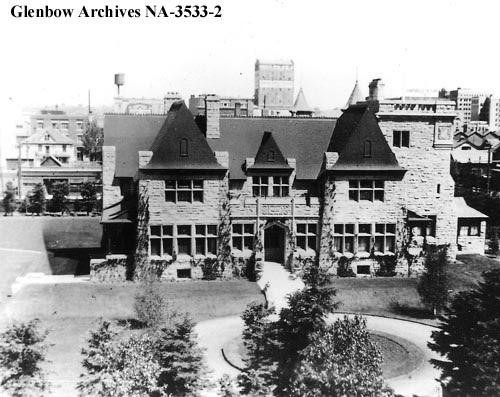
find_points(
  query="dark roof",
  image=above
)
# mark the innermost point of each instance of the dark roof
(360, 143)
(304, 139)
(129, 134)
(269, 155)
(180, 145)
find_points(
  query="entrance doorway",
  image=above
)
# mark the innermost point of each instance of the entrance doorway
(274, 244)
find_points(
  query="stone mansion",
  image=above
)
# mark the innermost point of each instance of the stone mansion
(358, 187)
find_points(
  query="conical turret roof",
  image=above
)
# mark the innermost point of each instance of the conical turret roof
(301, 105)
(355, 96)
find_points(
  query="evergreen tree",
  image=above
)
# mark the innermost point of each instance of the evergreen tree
(9, 199)
(340, 360)
(59, 192)
(434, 284)
(36, 199)
(469, 340)
(22, 350)
(88, 191)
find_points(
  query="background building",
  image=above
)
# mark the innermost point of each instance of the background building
(228, 106)
(274, 84)
(124, 105)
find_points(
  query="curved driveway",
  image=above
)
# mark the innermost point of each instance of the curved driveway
(213, 334)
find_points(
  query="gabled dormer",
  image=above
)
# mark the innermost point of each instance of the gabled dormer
(270, 171)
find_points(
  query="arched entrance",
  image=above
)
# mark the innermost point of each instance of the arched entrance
(274, 243)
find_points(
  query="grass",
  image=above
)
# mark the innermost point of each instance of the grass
(70, 311)
(398, 297)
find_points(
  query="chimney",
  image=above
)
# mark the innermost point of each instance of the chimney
(212, 113)
(376, 90)
(237, 109)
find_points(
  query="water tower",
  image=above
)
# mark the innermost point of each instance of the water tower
(119, 81)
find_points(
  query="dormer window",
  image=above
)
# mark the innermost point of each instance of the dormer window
(183, 147)
(47, 137)
(270, 156)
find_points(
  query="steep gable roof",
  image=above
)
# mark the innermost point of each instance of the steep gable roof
(180, 145)
(360, 143)
(269, 155)
(50, 161)
(301, 105)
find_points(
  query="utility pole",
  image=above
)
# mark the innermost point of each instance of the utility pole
(19, 166)
(488, 170)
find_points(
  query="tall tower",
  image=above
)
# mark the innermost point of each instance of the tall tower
(274, 84)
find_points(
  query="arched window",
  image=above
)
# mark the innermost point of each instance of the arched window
(368, 148)
(183, 147)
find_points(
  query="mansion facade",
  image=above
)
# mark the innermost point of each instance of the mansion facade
(358, 187)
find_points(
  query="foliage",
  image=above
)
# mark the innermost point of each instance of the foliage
(469, 340)
(227, 387)
(250, 270)
(36, 199)
(59, 192)
(149, 304)
(387, 265)
(212, 269)
(182, 371)
(88, 191)
(224, 230)
(22, 350)
(9, 199)
(433, 285)
(158, 362)
(341, 360)
(344, 268)
(92, 141)
(494, 247)
(274, 347)
(120, 369)
(142, 270)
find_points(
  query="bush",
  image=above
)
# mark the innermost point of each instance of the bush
(212, 269)
(9, 199)
(494, 247)
(150, 305)
(59, 192)
(36, 199)
(344, 267)
(387, 265)
(22, 350)
(88, 191)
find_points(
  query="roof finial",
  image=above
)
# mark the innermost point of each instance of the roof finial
(356, 73)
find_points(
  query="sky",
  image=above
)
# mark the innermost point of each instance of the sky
(422, 44)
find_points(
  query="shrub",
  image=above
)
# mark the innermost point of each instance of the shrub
(88, 191)
(22, 350)
(344, 267)
(340, 360)
(150, 305)
(494, 247)
(59, 192)
(212, 269)
(36, 199)
(9, 199)
(387, 265)
(433, 284)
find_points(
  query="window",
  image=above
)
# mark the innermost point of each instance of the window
(183, 147)
(366, 190)
(161, 240)
(206, 239)
(401, 138)
(368, 149)
(64, 124)
(184, 190)
(79, 124)
(470, 229)
(54, 124)
(184, 239)
(243, 236)
(379, 237)
(64, 148)
(47, 149)
(39, 123)
(280, 186)
(260, 186)
(306, 235)
(183, 273)
(438, 189)
(40, 148)
(343, 237)
(270, 156)
(423, 227)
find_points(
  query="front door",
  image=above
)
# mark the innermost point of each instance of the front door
(274, 244)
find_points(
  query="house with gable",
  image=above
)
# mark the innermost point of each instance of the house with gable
(282, 189)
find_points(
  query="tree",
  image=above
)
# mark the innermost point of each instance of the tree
(274, 346)
(494, 246)
(88, 191)
(22, 350)
(434, 284)
(9, 199)
(340, 360)
(36, 199)
(469, 340)
(59, 192)
(92, 141)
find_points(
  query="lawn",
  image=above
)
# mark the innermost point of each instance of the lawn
(398, 297)
(70, 311)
